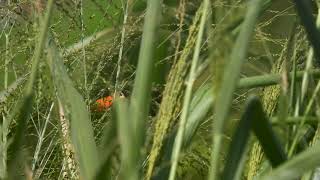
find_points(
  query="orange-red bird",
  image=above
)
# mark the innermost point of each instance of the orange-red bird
(104, 103)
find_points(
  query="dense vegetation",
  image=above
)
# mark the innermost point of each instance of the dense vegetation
(146, 89)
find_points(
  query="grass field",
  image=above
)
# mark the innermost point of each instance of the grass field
(146, 89)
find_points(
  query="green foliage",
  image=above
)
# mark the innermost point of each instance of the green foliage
(73, 108)
(178, 73)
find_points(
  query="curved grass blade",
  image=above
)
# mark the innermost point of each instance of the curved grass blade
(230, 80)
(239, 142)
(267, 138)
(253, 119)
(200, 106)
(76, 112)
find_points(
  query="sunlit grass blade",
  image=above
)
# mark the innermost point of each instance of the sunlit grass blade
(230, 79)
(140, 98)
(76, 112)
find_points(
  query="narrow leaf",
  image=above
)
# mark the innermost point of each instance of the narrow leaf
(76, 112)
(253, 119)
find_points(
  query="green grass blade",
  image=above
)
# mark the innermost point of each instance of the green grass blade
(107, 146)
(271, 79)
(297, 166)
(76, 112)
(200, 106)
(230, 80)
(253, 119)
(127, 143)
(239, 141)
(140, 99)
(266, 136)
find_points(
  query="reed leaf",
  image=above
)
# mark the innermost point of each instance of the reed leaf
(127, 143)
(200, 106)
(140, 99)
(76, 112)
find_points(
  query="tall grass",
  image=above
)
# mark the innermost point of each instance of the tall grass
(229, 81)
(178, 129)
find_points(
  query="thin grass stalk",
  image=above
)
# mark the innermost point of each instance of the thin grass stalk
(123, 33)
(170, 106)
(272, 79)
(4, 130)
(6, 62)
(306, 113)
(311, 120)
(230, 80)
(40, 141)
(140, 98)
(187, 99)
(84, 60)
(305, 80)
(87, 41)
